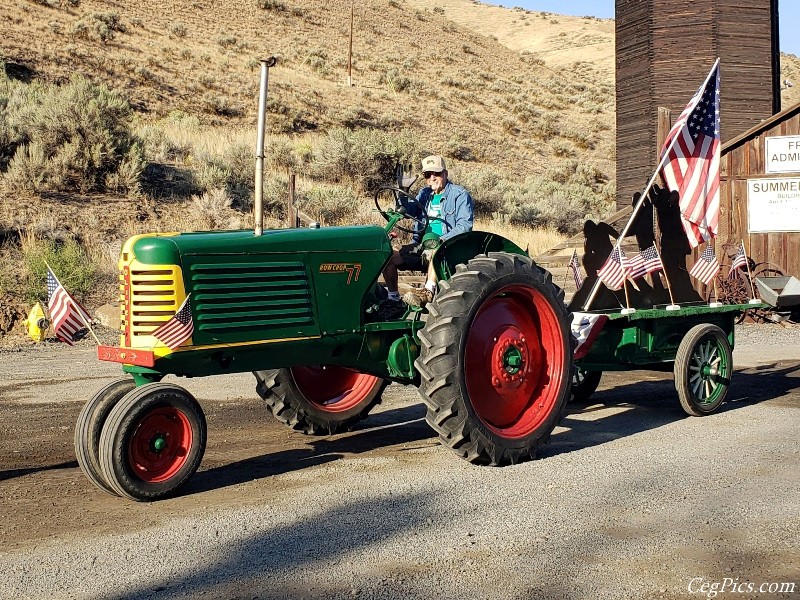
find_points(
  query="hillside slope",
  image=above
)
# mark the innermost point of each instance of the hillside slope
(466, 93)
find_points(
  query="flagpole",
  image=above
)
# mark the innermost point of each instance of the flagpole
(78, 312)
(646, 191)
(672, 306)
(627, 309)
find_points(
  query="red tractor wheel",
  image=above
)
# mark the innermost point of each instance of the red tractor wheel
(152, 442)
(496, 359)
(319, 399)
(90, 424)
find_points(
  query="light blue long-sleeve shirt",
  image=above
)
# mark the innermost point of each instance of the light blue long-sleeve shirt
(457, 211)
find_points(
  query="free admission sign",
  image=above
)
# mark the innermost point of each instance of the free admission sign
(773, 205)
(782, 154)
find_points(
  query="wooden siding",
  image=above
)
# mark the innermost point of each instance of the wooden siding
(664, 49)
(742, 159)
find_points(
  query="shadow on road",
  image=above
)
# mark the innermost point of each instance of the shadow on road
(388, 428)
(636, 403)
(12, 473)
(244, 568)
(645, 405)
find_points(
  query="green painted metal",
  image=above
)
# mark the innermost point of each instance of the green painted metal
(284, 284)
(648, 338)
(402, 353)
(512, 360)
(294, 297)
(460, 249)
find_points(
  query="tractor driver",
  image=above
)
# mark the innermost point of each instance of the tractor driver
(451, 205)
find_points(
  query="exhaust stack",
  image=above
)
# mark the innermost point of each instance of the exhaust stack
(258, 206)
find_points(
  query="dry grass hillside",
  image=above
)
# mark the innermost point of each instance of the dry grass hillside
(414, 66)
(521, 102)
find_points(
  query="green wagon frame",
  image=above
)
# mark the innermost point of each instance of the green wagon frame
(696, 341)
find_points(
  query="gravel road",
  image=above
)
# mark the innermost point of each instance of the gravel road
(631, 499)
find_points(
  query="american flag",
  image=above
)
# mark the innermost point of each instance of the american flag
(651, 260)
(68, 316)
(739, 261)
(178, 329)
(614, 272)
(706, 266)
(692, 167)
(575, 267)
(635, 266)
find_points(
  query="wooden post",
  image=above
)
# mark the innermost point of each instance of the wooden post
(291, 215)
(664, 124)
(350, 50)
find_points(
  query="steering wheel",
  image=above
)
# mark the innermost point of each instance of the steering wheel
(399, 208)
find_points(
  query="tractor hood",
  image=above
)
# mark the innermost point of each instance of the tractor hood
(168, 248)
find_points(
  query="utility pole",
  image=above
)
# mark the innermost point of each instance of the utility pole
(350, 50)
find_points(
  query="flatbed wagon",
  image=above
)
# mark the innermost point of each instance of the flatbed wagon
(695, 341)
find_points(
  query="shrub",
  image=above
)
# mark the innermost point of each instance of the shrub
(67, 138)
(212, 210)
(487, 188)
(366, 157)
(231, 171)
(69, 262)
(178, 29)
(270, 5)
(332, 205)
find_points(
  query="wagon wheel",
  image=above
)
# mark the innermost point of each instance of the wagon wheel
(152, 442)
(90, 423)
(703, 368)
(584, 384)
(496, 359)
(319, 400)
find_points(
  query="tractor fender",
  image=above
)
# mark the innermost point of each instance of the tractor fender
(461, 248)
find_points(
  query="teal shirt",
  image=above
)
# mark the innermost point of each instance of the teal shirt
(435, 210)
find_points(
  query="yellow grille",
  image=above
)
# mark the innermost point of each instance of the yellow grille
(149, 296)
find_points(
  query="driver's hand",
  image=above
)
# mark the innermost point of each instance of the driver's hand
(427, 255)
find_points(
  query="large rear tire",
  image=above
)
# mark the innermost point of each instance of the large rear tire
(319, 400)
(90, 423)
(496, 359)
(152, 442)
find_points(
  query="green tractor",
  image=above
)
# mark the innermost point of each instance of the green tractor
(302, 309)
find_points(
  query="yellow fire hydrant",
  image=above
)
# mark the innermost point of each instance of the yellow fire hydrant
(37, 323)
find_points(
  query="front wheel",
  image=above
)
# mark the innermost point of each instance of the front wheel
(496, 359)
(584, 384)
(90, 423)
(703, 368)
(319, 399)
(152, 442)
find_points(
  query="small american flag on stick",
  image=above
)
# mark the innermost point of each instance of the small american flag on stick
(739, 261)
(614, 272)
(706, 267)
(178, 329)
(652, 260)
(575, 267)
(646, 261)
(636, 266)
(68, 316)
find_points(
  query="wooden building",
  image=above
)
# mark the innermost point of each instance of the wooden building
(665, 48)
(746, 171)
